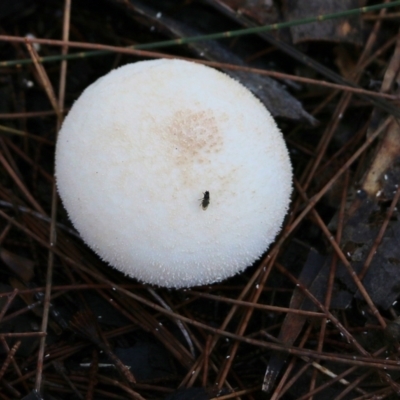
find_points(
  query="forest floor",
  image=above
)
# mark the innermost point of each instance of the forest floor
(317, 317)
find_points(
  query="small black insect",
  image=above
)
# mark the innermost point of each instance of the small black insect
(205, 201)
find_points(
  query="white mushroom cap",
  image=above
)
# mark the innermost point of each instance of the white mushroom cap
(141, 146)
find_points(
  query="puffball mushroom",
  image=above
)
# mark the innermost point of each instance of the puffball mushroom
(140, 149)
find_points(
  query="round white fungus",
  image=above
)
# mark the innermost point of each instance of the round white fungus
(173, 173)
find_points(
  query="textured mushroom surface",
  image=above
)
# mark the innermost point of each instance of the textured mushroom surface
(139, 150)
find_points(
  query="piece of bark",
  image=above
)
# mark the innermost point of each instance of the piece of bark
(293, 323)
(346, 29)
